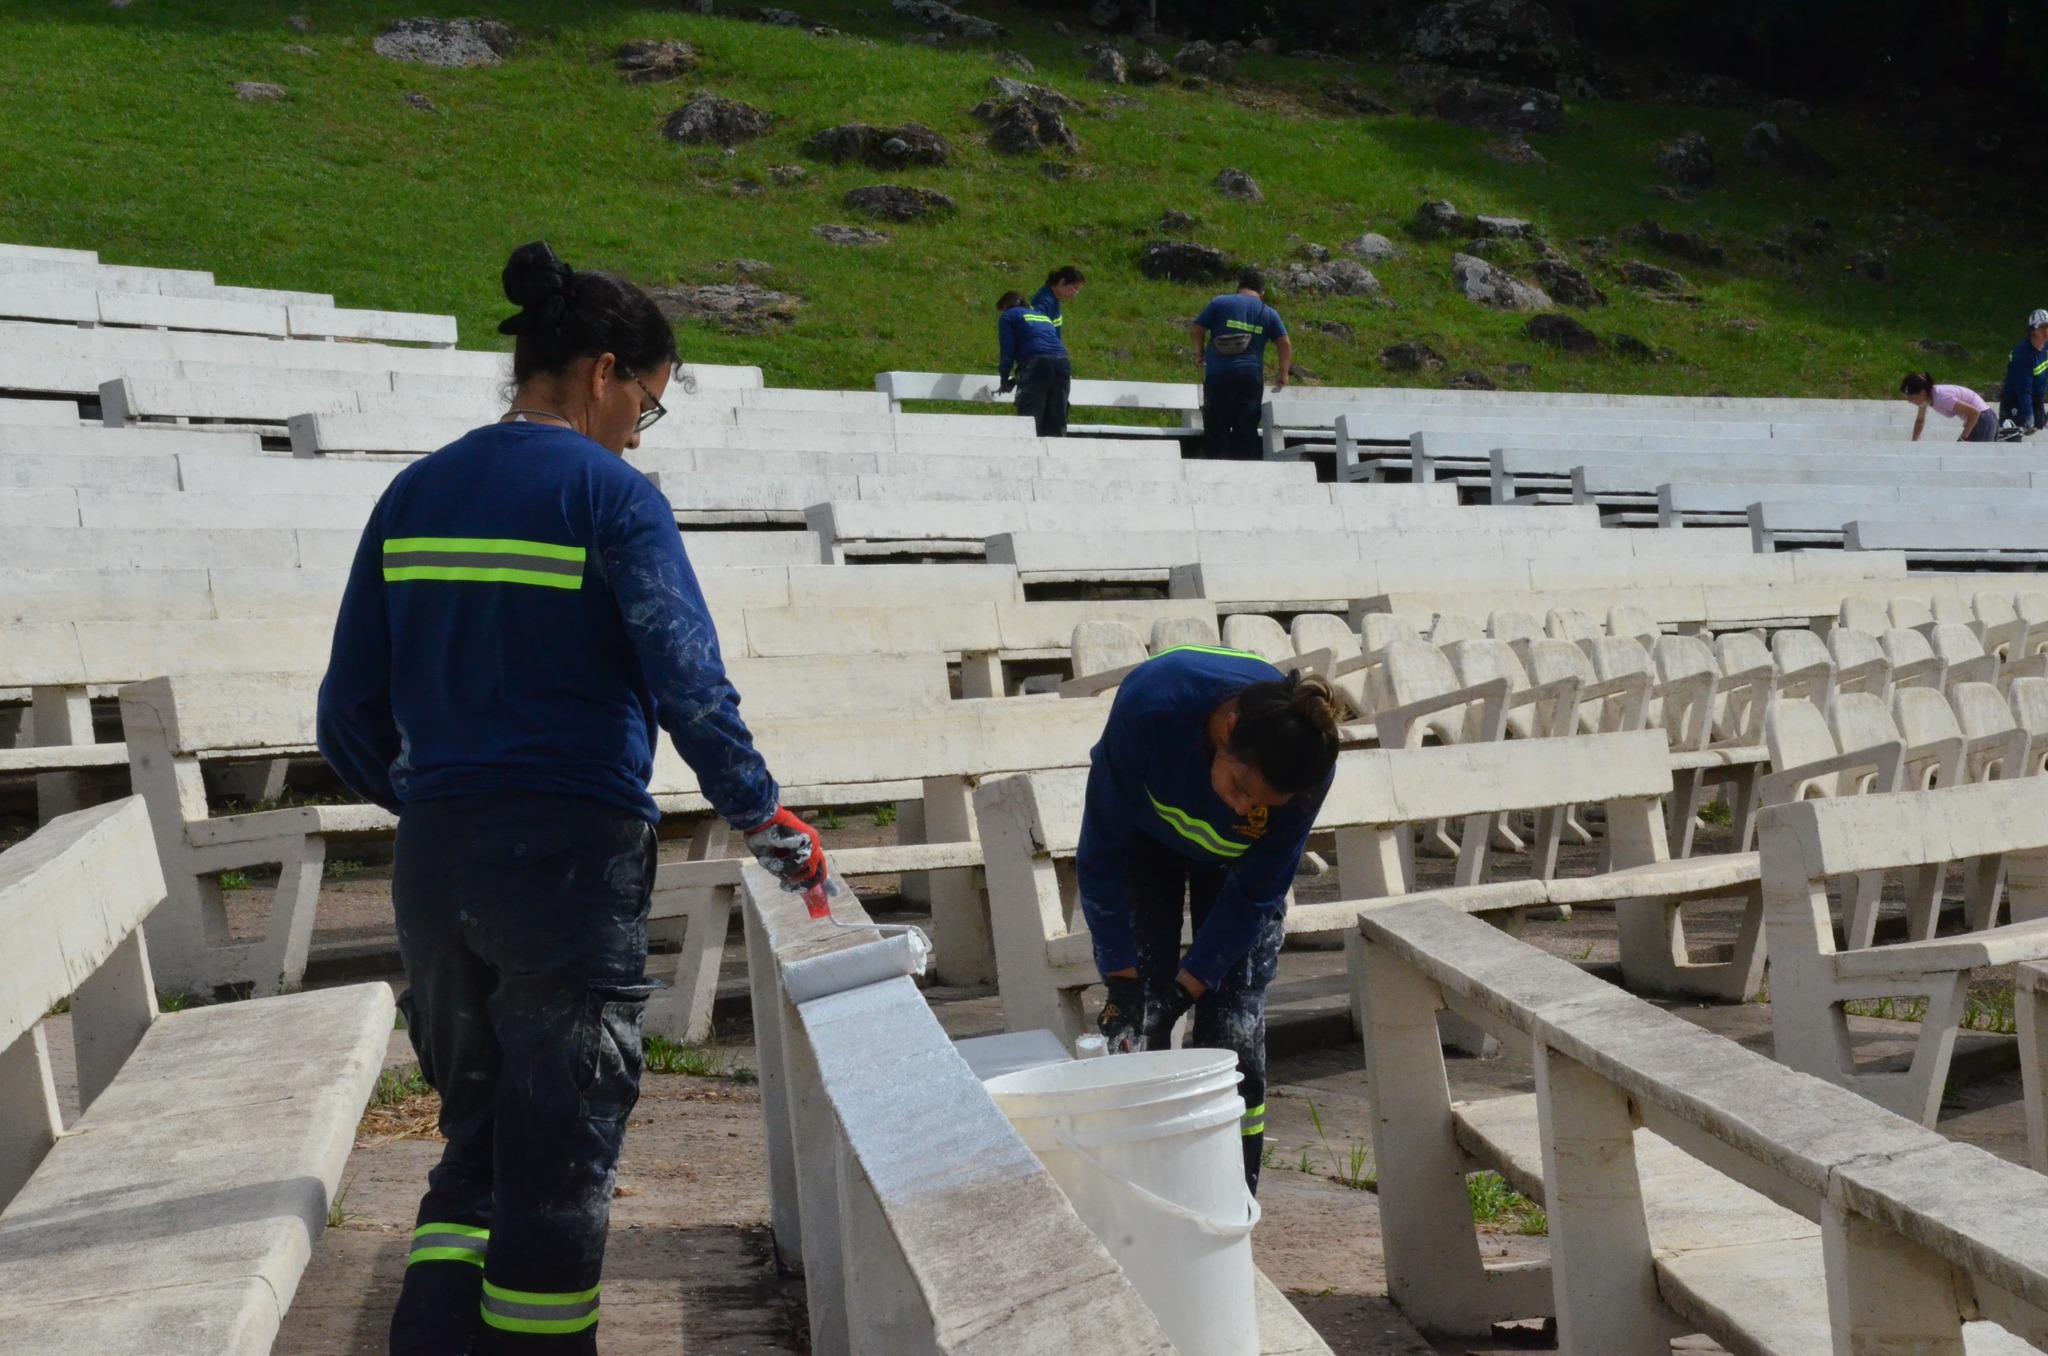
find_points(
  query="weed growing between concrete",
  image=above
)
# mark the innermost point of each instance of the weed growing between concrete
(341, 868)
(1717, 812)
(1358, 1173)
(234, 880)
(885, 815)
(664, 1056)
(1992, 1012)
(338, 1213)
(1497, 1204)
(402, 1106)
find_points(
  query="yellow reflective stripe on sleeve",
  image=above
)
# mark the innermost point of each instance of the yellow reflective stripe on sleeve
(539, 1311)
(1197, 831)
(1255, 1120)
(2041, 367)
(484, 560)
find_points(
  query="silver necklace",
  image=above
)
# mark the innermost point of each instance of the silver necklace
(528, 410)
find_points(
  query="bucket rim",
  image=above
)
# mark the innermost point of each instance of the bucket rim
(1165, 1073)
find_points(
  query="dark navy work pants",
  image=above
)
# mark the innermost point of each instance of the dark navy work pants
(522, 922)
(1043, 387)
(1232, 401)
(1231, 1014)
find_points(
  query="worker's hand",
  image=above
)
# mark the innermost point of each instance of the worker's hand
(1163, 1009)
(1195, 987)
(1280, 382)
(1122, 1020)
(790, 850)
(1007, 385)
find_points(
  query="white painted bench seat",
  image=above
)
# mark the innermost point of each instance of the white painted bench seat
(1991, 541)
(179, 1211)
(384, 327)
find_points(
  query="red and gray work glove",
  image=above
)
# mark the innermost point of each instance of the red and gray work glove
(790, 849)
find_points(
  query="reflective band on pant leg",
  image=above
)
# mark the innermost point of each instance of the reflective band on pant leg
(539, 1311)
(1255, 1120)
(449, 1243)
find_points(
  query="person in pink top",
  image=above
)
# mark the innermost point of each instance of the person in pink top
(1955, 402)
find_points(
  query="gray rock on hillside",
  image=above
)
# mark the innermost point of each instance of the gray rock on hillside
(850, 235)
(1109, 66)
(1487, 285)
(1017, 61)
(260, 92)
(1041, 96)
(1499, 108)
(1411, 357)
(1438, 217)
(1685, 244)
(1518, 38)
(1235, 183)
(945, 19)
(1566, 284)
(1875, 265)
(1337, 277)
(446, 42)
(654, 60)
(1637, 273)
(882, 147)
(714, 119)
(1688, 161)
(1353, 97)
(1182, 261)
(1172, 219)
(1768, 144)
(897, 202)
(1504, 228)
(1561, 331)
(743, 308)
(1204, 59)
(1021, 127)
(1148, 67)
(1372, 247)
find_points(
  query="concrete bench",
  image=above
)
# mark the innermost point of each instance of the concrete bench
(1692, 502)
(881, 1139)
(385, 327)
(1987, 543)
(1690, 1185)
(90, 275)
(179, 1210)
(1180, 399)
(1515, 470)
(1030, 828)
(1776, 523)
(1808, 843)
(1433, 447)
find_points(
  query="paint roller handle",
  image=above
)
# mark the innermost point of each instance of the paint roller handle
(791, 851)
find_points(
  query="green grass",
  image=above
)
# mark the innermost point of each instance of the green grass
(234, 880)
(885, 815)
(341, 868)
(124, 136)
(664, 1056)
(399, 1085)
(1495, 1202)
(1992, 1012)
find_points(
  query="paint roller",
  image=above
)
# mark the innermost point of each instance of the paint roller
(903, 949)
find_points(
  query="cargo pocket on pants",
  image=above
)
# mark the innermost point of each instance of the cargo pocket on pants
(609, 1083)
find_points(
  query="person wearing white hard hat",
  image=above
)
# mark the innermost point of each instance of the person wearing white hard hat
(2023, 401)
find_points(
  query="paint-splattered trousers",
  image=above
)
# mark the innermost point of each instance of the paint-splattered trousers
(1230, 1014)
(522, 922)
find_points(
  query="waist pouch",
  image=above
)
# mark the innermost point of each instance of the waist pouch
(1232, 345)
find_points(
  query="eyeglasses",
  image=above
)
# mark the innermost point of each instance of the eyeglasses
(651, 416)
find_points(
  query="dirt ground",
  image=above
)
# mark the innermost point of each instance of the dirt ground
(690, 1269)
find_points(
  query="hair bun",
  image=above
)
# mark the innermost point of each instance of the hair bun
(539, 283)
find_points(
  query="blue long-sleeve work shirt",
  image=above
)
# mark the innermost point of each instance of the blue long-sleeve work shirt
(2026, 381)
(1150, 774)
(1046, 302)
(521, 617)
(1023, 332)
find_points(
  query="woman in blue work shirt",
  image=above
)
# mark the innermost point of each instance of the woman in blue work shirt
(1202, 792)
(519, 627)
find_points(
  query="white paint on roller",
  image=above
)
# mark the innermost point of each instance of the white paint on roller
(905, 953)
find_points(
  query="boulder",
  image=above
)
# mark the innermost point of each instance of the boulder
(1438, 218)
(1007, 89)
(1109, 66)
(1182, 261)
(1685, 244)
(1487, 285)
(259, 92)
(1235, 183)
(849, 235)
(943, 18)
(1637, 273)
(1771, 146)
(1148, 67)
(420, 102)
(1204, 59)
(1511, 149)
(1336, 329)
(1504, 228)
(1797, 242)
(446, 42)
(1472, 381)
(787, 176)
(1875, 265)
(742, 308)
(882, 147)
(1174, 220)
(1372, 247)
(1018, 62)
(654, 60)
(1561, 331)
(1566, 284)
(1337, 277)
(1634, 349)
(717, 120)
(1688, 161)
(1021, 127)
(1353, 97)
(1310, 250)
(1517, 38)
(1499, 108)
(1411, 357)
(898, 202)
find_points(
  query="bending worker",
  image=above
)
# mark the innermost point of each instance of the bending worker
(1209, 775)
(1033, 362)
(519, 619)
(1230, 337)
(2024, 399)
(1954, 402)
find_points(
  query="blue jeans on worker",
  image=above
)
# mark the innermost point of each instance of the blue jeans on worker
(522, 922)
(1230, 1014)
(1043, 385)
(1232, 401)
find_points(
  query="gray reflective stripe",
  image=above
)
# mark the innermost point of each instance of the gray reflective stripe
(545, 1313)
(466, 1242)
(477, 560)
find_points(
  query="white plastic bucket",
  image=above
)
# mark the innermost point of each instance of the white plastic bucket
(1148, 1147)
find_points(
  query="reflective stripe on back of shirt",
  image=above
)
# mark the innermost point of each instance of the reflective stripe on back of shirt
(1042, 319)
(2041, 367)
(484, 560)
(1200, 832)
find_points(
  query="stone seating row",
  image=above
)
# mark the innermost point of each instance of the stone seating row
(1402, 446)
(179, 1208)
(82, 275)
(70, 360)
(1690, 1185)
(51, 302)
(1541, 474)
(1181, 400)
(881, 1140)
(1797, 513)
(741, 428)
(2017, 544)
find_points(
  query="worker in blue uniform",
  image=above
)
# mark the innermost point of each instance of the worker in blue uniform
(1230, 338)
(1041, 373)
(520, 622)
(2023, 401)
(1201, 794)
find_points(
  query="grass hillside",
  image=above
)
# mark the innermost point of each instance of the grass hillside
(124, 135)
